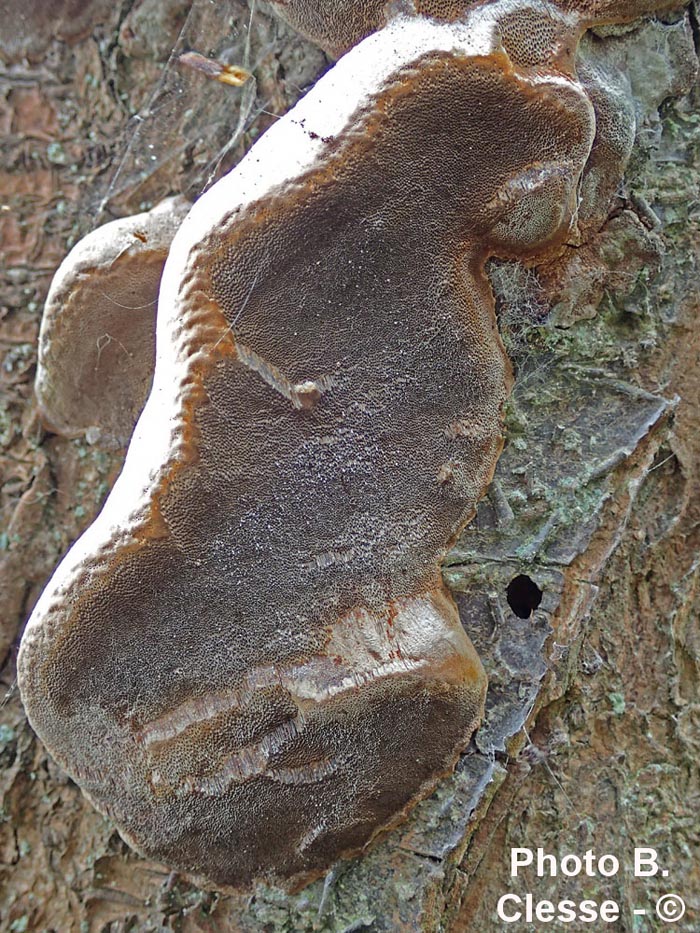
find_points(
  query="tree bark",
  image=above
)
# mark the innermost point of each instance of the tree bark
(592, 732)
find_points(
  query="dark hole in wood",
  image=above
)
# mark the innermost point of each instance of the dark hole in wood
(523, 595)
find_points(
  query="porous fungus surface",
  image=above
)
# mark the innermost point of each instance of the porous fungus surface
(97, 339)
(337, 25)
(250, 661)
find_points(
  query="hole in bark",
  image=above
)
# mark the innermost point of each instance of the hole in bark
(523, 595)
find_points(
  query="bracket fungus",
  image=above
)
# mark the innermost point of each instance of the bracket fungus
(337, 25)
(250, 661)
(97, 339)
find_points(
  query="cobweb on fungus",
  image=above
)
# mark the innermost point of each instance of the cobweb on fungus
(192, 127)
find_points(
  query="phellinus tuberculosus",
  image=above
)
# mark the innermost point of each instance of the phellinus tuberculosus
(250, 661)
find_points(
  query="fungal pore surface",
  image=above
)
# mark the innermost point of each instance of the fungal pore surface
(336, 25)
(250, 661)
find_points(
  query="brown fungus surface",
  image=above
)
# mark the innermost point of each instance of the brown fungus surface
(250, 661)
(337, 25)
(97, 339)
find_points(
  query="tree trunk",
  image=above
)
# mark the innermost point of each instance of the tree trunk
(592, 732)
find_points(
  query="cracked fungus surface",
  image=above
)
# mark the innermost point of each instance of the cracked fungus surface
(249, 661)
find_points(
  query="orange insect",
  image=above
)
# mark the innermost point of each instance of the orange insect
(226, 74)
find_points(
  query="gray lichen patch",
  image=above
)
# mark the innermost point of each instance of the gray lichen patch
(582, 426)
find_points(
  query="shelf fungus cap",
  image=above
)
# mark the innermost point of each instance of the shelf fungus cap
(250, 661)
(337, 25)
(97, 337)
